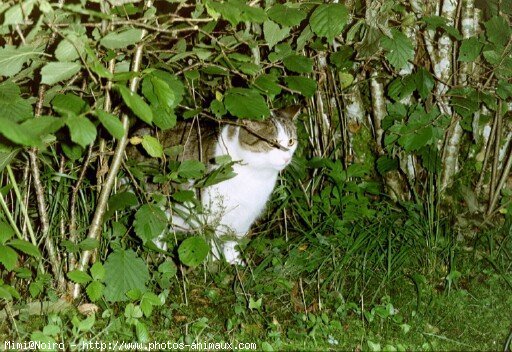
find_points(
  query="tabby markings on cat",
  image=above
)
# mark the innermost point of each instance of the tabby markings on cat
(261, 149)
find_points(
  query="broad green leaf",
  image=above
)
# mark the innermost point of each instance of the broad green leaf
(399, 49)
(164, 118)
(286, 15)
(498, 31)
(435, 22)
(424, 82)
(98, 271)
(69, 104)
(70, 48)
(246, 103)
(305, 86)
(17, 133)
(298, 63)
(342, 58)
(149, 299)
(124, 271)
(417, 139)
(95, 291)
(163, 92)
(79, 277)
(193, 251)
(54, 72)
(83, 132)
(273, 33)
(111, 123)
(120, 201)
(267, 84)
(12, 59)
(12, 105)
(6, 232)
(44, 125)
(386, 164)
(191, 169)
(470, 49)
(150, 222)
(8, 257)
(328, 20)
(152, 146)
(87, 323)
(142, 332)
(89, 244)
(122, 39)
(135, 102)
(16, 14)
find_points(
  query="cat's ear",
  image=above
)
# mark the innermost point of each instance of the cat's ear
(290, 112)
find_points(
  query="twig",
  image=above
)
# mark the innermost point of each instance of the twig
(97, 221)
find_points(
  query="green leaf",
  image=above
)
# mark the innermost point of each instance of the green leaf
(424, 82)
(150, 222)
(98, 271)
(255, 304)
(191, 169)
(12, 59)
(435, 22)
(286, 15)
(497, 30)
(95, 291)
(111, 123)
(328, 20)
(163, 92)
(164, 118)
(273, 33)
(135, 102)
(399, 49)
(6, 232)
(124, 271)
(70, 48)
(54, 72)
(121, 39)
(79, 277)
(386, 164)
(148, 301)
(417, 139)
(16, 14)
(120, 201)
(470, 49)
(193, 251)
(246, 103)
(305, 86)
(83, 131)
(12, 105)
(18, 133)
(152, 146)
(44, 125)
(267, 84)
(298, 63)
(8, 257)
(68, 104)
(89, 244)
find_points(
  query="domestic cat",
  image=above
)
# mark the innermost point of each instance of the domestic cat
(260, 150)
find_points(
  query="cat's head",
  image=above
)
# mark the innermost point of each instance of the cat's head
(270, 143)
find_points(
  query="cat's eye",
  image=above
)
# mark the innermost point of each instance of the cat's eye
(291, 142)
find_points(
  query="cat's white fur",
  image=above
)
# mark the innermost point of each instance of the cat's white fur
(236, 203)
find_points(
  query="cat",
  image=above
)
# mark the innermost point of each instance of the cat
(260, 150)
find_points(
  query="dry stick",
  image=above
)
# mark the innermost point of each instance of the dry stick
(495, 164)
(97, 221)
(490, 141)
(72, 221)
(38, 187)
(504, 174)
